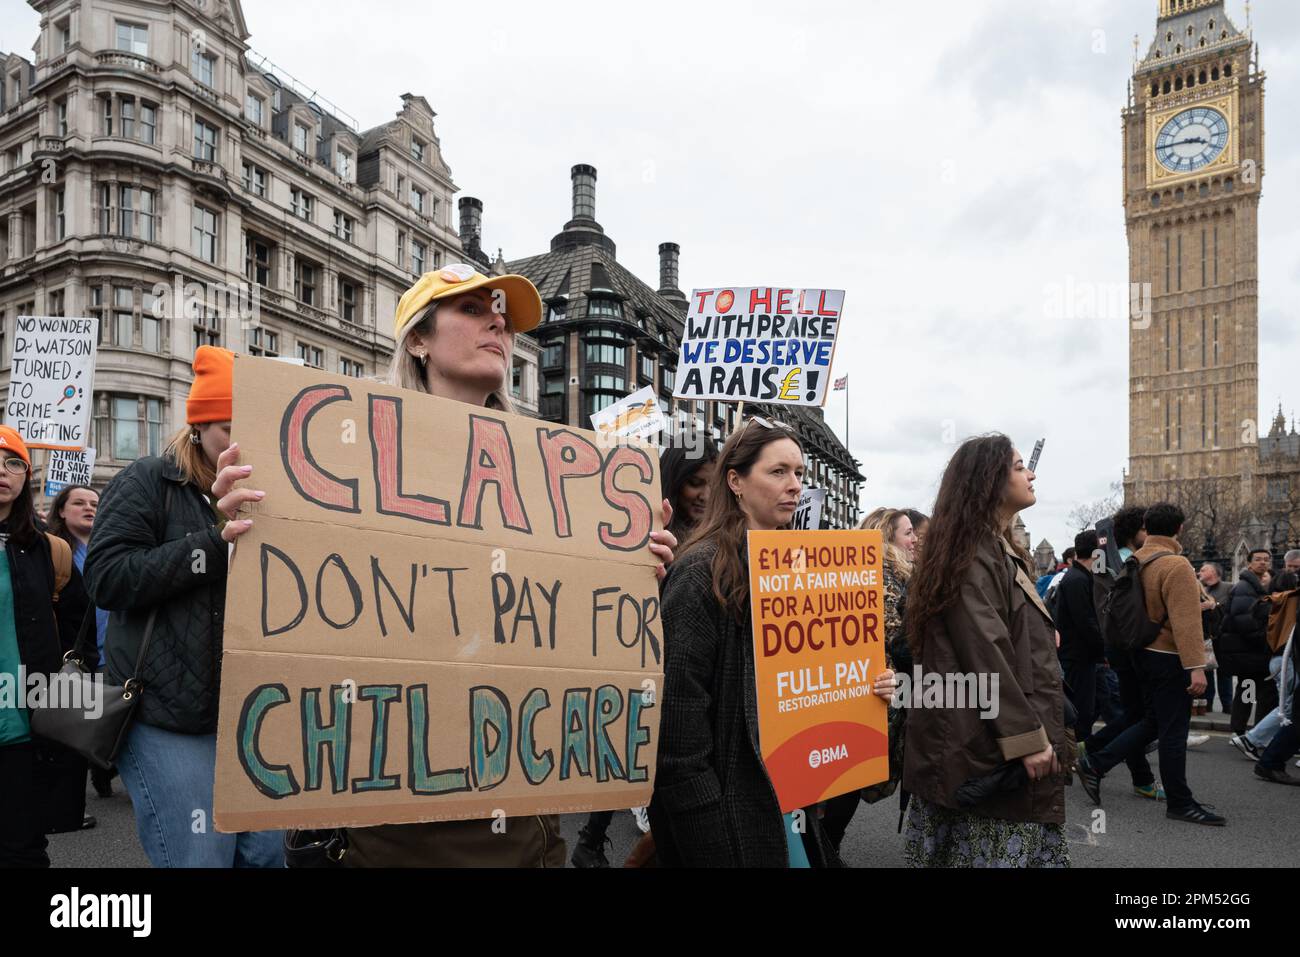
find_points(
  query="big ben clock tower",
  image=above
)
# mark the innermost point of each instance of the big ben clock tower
(1193, 167)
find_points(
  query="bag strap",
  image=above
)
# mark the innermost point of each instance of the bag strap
(61, 560)
(153, 612)
(82, 648)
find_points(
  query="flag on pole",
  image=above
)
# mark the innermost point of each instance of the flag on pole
(841, 384)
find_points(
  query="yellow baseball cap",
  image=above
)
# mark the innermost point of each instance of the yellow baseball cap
(523, 303)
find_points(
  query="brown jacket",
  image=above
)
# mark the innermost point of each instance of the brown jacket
(998, 626)
(1284, 607)
(525, 842)
(1171, 589)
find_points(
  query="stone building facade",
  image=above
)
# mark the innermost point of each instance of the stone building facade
(158, 174)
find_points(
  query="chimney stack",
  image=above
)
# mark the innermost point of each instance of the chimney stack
(582, 229)
(584, 192)
(471, 221)
(668, 258)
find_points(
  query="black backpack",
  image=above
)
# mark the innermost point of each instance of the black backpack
(1124, 621)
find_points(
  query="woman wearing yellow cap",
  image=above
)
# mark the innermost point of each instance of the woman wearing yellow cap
(34, 633)
(157, 563)
(455, 334)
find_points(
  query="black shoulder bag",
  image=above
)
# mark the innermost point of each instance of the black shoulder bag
(71, 720)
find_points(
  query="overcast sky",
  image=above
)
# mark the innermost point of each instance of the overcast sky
(949, 170)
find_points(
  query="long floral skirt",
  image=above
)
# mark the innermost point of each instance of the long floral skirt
(941, 837)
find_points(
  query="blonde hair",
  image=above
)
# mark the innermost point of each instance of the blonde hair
(872, 519)
(887, 520)
(188, 456)
(406, 371)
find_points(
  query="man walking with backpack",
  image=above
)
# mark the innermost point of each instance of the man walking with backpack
(1128, 535)
(1155, 611)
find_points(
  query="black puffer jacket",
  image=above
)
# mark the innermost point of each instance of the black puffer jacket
(141, 556)
(46, 629)
(1242, 646)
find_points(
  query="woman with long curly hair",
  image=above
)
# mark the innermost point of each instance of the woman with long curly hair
(987, 783)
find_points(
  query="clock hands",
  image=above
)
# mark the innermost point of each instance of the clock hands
(1191, 139)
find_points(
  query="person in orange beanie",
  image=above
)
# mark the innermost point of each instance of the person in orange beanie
(158, 563)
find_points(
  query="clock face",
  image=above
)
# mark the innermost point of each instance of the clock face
(1192, 139)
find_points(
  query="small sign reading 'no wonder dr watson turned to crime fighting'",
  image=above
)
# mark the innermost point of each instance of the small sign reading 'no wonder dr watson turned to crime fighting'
(51, 381)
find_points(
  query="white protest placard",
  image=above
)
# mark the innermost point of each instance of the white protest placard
(66, 468)
(636, 417)
(759, 344)
(51, 381)
(808, 516)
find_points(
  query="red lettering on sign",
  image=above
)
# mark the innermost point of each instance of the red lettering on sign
(491, 461)
(640, 516)
(565, 455)
(310, 480)
(386, 450)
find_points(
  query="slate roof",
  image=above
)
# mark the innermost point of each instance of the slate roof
(1171, 33)
(570, 271)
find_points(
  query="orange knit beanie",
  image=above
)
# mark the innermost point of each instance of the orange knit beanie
(212, 394)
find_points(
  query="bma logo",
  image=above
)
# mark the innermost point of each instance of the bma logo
(818, 757)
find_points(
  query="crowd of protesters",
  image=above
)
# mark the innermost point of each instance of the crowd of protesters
(975, 790)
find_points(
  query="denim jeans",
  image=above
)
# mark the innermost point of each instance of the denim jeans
(169, 777)
(1262, 733)
(1169, 717)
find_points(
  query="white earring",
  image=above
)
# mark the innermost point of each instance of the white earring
(195, 438)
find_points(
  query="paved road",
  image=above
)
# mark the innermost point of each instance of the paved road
(1262, 826)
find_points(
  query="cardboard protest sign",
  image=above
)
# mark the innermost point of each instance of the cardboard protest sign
(760, 344)
(441, 612)
(51, 381)
(819, 643)
(808, 516)
(636, 417)
(68, 468)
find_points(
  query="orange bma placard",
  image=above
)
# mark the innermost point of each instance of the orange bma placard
(819, 643)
